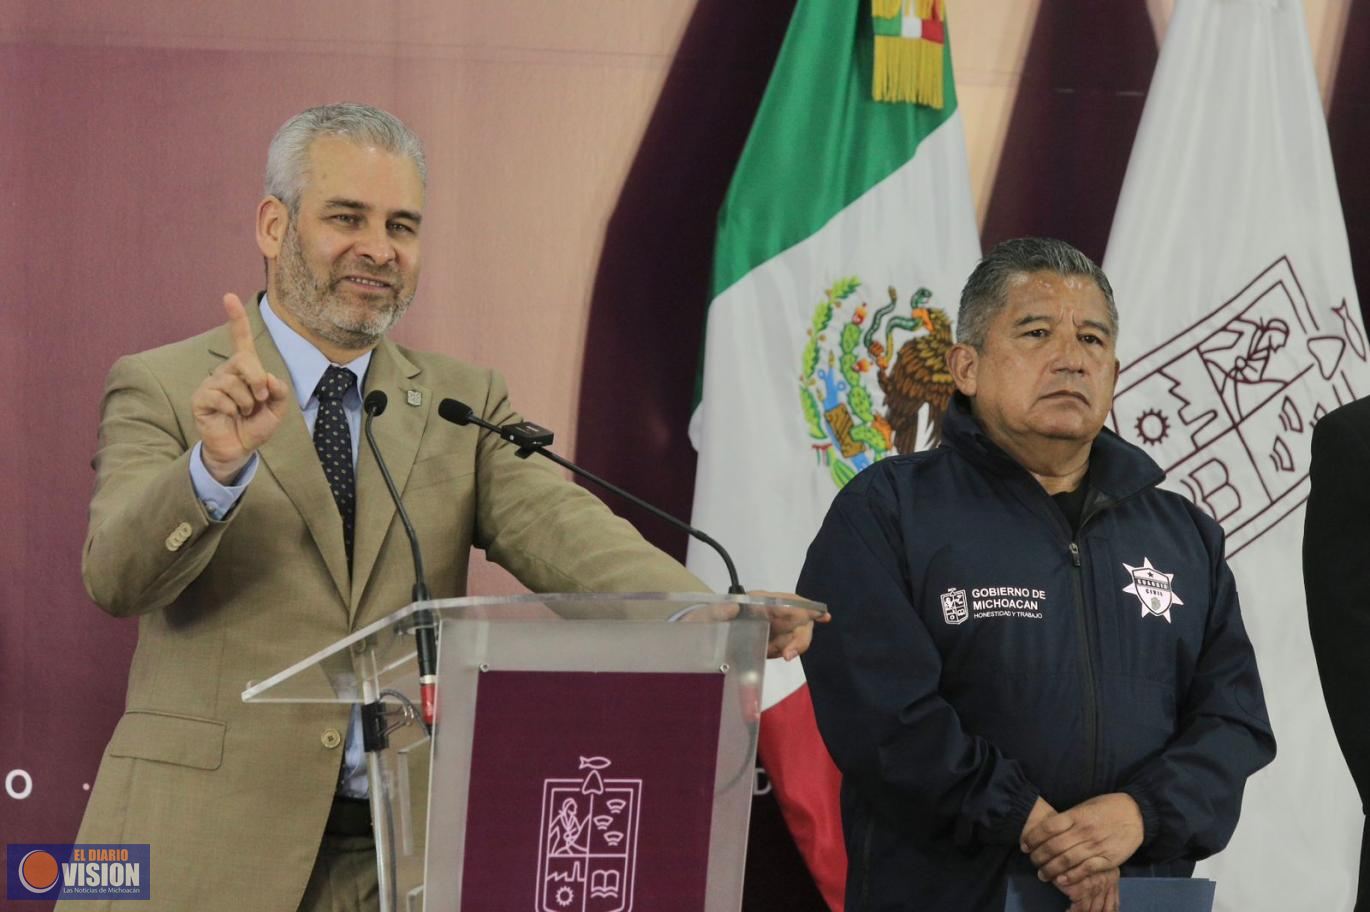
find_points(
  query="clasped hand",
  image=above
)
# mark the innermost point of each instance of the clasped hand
(1080, 850)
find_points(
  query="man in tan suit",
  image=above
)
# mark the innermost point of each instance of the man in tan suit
(215, 522)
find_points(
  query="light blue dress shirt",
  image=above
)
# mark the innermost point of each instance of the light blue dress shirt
(306, 365)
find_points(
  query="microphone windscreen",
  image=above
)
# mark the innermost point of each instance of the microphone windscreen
(455, 411)
(375, 403)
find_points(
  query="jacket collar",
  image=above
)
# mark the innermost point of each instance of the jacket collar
(1117, 469)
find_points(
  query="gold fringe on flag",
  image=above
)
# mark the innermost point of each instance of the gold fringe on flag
(908, 69)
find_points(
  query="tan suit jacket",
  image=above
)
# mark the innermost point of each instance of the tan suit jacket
(233, 797)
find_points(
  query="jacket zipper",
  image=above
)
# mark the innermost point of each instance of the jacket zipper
(864, 897)
(1087, 654)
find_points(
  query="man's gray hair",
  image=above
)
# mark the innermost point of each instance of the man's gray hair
(287, 159)
(986, 290)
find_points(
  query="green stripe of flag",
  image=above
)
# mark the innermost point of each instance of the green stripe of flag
(819, 141)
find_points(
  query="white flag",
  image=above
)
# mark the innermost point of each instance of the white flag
(1240, 329)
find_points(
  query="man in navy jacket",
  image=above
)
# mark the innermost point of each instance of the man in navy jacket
(1036, 658)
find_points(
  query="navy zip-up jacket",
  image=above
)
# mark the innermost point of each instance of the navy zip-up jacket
(981, 654)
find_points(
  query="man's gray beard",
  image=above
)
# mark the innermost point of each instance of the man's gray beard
(319, 307)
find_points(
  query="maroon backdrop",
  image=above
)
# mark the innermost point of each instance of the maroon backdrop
(62, 663)
(1078, 106)
(1348, 128)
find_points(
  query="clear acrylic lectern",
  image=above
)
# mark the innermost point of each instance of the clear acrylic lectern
(591, 753)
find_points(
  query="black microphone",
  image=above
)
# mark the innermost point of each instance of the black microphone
(533, 438)
(425, 626)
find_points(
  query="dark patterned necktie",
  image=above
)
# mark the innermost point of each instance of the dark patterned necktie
(333, 440)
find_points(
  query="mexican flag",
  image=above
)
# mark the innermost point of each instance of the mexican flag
(1241, 328)
(842, 246)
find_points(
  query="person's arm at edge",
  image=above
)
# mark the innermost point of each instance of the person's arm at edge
(1336, 574)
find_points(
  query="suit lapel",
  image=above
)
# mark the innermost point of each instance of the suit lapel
(397, 432)
(290, 458)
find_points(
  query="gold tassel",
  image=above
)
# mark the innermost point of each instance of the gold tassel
(908, 70)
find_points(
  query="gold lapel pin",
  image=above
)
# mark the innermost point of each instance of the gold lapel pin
(413, 397)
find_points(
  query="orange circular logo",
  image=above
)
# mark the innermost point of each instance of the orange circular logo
(38, 871)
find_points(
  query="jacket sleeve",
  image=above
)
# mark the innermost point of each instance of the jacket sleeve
(1336, 578)
(874, 674)
(552, 534)
(1190, 794)
(149, 536)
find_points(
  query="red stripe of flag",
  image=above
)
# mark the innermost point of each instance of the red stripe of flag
(806, 786)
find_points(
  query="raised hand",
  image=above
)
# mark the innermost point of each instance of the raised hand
(239, 406)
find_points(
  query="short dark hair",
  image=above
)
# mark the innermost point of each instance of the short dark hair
(986, 290)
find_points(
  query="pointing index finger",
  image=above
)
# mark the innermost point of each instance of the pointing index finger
(238, 326)
(248, 367)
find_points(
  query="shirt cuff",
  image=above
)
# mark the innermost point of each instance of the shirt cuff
(218, 499)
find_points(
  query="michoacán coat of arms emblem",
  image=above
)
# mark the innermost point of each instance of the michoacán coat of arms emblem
(587, 847)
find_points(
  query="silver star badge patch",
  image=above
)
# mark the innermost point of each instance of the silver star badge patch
(1154, 589)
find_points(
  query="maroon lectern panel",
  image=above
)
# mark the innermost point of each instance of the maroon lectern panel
(591, 792)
